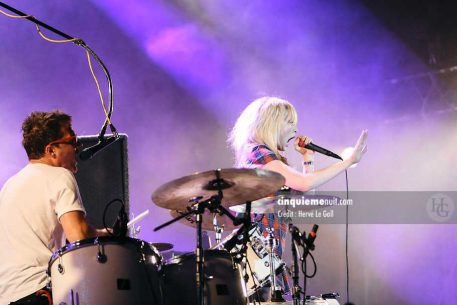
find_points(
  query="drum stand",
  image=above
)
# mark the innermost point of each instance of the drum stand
(213, 204)
(276, 295)
(218, 230)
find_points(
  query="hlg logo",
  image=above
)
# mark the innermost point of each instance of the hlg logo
(440, 207)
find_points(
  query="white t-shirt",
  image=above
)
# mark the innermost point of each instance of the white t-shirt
(31, 203)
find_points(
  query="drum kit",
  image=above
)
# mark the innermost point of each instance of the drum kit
(127, 271)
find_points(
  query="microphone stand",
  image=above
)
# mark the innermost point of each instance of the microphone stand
(120, 228)
(80, 43)
(307, 244)
(296, 288)
(40, 23)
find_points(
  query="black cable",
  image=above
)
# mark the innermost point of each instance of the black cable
(104, 214)
(80, 43)
(347, 237)
(303, 259)
(36, 21)
(110, 91)
(315, 267)
(303, 268)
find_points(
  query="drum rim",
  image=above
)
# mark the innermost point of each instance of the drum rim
(178, 258)
(99, 240)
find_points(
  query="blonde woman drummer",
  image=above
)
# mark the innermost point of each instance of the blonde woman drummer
(259, 138)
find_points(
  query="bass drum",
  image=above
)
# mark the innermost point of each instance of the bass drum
(106, 271)
(223, 284)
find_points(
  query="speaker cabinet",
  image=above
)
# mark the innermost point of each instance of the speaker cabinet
(102, 179)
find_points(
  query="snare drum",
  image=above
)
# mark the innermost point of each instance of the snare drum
(257, 257)
(223, 284)
(106, 271)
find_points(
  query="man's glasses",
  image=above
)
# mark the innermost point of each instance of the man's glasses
(70, 140)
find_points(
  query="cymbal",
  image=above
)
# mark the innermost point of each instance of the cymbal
(162, 246)
(207, 220)
(270, 204)
(238, 185)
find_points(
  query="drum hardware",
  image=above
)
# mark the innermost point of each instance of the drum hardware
(223, 221)
(255, 263)
(60, 267)
(307, 244)
(213, 204)
(101, 256)
(134, 231)
(218, 229)
(276, 295)
(224, 188)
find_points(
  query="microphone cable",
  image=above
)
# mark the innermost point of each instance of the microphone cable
(89, 53)
(104, 215)
(347, 238)
(304, 269)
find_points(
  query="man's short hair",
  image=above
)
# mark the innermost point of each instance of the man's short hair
(41, 128)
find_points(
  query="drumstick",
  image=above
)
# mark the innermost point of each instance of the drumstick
(138, 218)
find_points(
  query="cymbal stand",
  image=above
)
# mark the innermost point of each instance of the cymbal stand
(198, 209)
(213, 204)
(199, 257)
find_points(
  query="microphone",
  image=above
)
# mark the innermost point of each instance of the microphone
(319, 149)
(311, 237)
(296, 235)
(89, 152)
(120, 226)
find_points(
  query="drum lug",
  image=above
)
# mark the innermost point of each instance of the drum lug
(101, 258)
(60, 268)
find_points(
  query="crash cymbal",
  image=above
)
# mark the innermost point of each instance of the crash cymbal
(271, 204)
(162, 246)
(238, 186)
(207, 220)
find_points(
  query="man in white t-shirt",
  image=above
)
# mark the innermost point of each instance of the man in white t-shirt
(40, 206)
